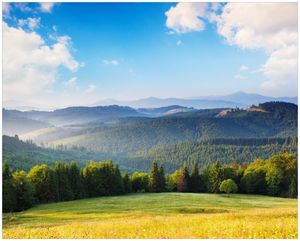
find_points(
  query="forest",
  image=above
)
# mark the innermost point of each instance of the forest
(275, 176)
(24, 155)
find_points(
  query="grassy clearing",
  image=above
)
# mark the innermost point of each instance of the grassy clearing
(166, 215)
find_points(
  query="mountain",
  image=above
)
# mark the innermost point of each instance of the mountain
(238, 99)
(161, 111)
(272, 119)
(14, 123)
(66, 116)
(250, 99)
(153, 102)
(21, 122)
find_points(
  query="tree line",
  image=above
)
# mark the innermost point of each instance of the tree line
(276, 176)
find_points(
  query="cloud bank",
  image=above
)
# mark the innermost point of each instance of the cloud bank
(270, 27)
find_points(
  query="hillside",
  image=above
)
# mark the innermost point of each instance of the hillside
(207, 152)
(24, 155)
(18, 124)
(278, 120)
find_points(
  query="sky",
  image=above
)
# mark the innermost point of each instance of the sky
(63, 54)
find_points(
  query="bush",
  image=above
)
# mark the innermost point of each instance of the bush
(228, 186)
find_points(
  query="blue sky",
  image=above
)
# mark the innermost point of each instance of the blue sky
(129, 51)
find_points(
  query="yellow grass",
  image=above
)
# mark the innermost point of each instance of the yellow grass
(279, 222)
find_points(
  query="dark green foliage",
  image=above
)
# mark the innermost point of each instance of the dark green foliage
(195, 180)
(102, 179)
(65, 192)
(75, 180)
(140, 182)
(162, 179)
(275, 176)
(281, 170)
(24, 191)
(207, 152)
(127, 183)
(216, 176)
(45, 184)
(117, 181)
(154, 181)
(22, 155)
(182, 181)
(8, 192)
(254, 178)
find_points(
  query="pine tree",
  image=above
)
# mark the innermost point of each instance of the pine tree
(24, 191)
(195, 181)
(215, 177)
(75, 180)
(64, 189)
(183, 179)
(8, 192)
(127, 183)
(162, 179)
(154, 178)
(118, 181)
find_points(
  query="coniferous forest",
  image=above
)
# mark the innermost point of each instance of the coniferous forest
(275, 176)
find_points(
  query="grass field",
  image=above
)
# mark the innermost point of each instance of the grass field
(165, 215)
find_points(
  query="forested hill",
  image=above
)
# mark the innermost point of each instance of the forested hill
(273, 119)
(135, 141)
(23, 155)
(242, 150)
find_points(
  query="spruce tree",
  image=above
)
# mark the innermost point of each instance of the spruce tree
(8, 192)
(162, 179)
(215, 177)
(154, 178)
(183, 179)
(195, 181)
(75, 180)
(64, 189)
(118, 180)
(127, 183)
(24, 191)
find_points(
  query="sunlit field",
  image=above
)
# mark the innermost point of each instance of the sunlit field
(166, 215)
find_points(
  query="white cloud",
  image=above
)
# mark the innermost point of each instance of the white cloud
(271, 27)
(186, 17)
(32, 23)
(29, 64)
(243, 68)
(71, 82)
(23, 7)
(110, 62)
(259, 25)
(281, 69)
(89, 89)
(46, 7)
(240, 77)
(179, 42)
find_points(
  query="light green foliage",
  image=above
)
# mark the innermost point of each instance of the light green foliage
(140, 181)
(45, 183)
(281, 173)
(228, 186)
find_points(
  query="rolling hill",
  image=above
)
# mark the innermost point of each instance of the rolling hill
(276, 119)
